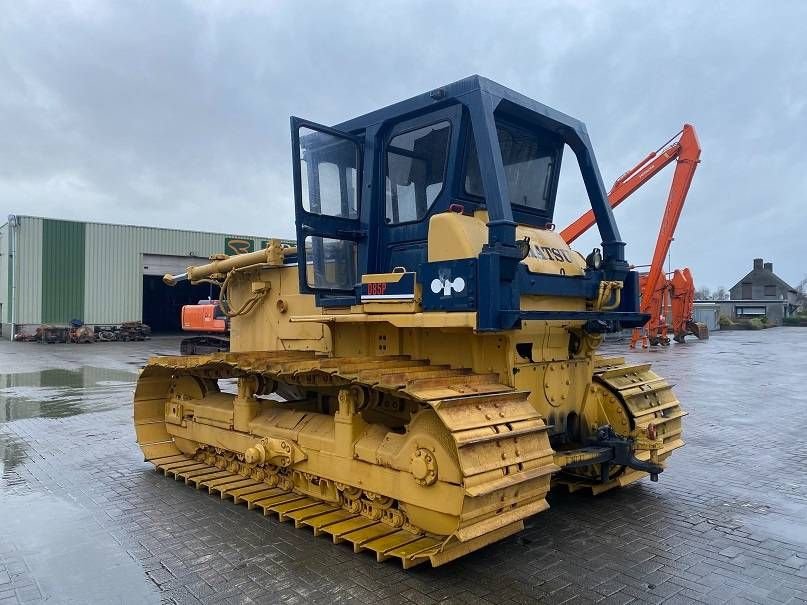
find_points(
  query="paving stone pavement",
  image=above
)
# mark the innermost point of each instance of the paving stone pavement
(84, 520)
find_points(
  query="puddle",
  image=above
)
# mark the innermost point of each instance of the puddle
(57, 393)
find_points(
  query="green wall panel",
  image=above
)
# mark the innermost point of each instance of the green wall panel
(63, 245)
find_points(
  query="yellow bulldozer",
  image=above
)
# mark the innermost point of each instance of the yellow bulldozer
(421, 368)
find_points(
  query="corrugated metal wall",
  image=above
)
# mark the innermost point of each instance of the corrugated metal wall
(29, 270)
(54, 275)
(62, 271)
(113, 272)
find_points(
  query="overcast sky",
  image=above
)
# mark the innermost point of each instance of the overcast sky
(176, 114)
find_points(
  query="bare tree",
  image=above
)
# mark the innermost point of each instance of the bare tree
(706, 294)
(801, 294)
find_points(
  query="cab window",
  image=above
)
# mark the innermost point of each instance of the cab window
(529, 162)
(328, 174)
(416, 166)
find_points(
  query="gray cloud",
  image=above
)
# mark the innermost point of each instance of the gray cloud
(176, 114)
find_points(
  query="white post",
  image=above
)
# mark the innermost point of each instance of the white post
(12, 228)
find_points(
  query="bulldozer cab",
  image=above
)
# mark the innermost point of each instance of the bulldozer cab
(366, 189)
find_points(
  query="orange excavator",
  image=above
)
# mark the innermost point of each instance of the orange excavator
(211, 324)
(660, 296)
(681, 293)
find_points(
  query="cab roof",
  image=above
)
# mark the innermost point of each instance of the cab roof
(462, 91)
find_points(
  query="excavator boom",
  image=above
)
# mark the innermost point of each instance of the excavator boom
(654, 285)
(653, 163)
(688, 153)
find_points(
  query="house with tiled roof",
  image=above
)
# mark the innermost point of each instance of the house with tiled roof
(761, 293)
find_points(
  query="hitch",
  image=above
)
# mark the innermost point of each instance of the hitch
(622, 449)
(608, 448)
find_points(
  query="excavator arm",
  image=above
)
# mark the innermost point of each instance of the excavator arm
(688, 155)
(686, 149)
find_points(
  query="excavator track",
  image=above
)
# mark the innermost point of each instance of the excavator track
(648, 400)
(503, 456)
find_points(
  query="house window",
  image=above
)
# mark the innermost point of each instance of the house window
(770, 291)
(750, 311)
(747, 291)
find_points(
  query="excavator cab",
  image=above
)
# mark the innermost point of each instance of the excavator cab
(367, 191)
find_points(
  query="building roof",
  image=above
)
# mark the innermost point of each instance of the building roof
(69, 220)
(760, 274)
(743, 301)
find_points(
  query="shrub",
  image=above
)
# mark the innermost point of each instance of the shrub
(756, 324)
(725, 322)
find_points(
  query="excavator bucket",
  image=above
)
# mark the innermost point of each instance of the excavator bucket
(699, 329)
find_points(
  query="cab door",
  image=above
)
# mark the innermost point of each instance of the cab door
(327, 166)
(419, 164)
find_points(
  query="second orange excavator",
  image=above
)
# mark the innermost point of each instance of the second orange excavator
(211, 325)
(660, 297)
(681, 292)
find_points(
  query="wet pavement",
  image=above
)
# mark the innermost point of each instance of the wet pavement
(84, 520)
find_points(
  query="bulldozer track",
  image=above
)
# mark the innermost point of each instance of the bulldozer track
(648, 397)
(304, 511)
(501, 444)
(648, 400)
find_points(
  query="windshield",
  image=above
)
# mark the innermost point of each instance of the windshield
(529, 161)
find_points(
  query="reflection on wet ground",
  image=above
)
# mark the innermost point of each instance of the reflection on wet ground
(12, 453)
(58, 393)
(72, 558)
(52, 547)
(745, 395)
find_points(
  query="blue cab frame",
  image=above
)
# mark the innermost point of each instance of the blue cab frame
(472, 106)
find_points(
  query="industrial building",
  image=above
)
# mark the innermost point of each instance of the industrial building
(55, 271)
